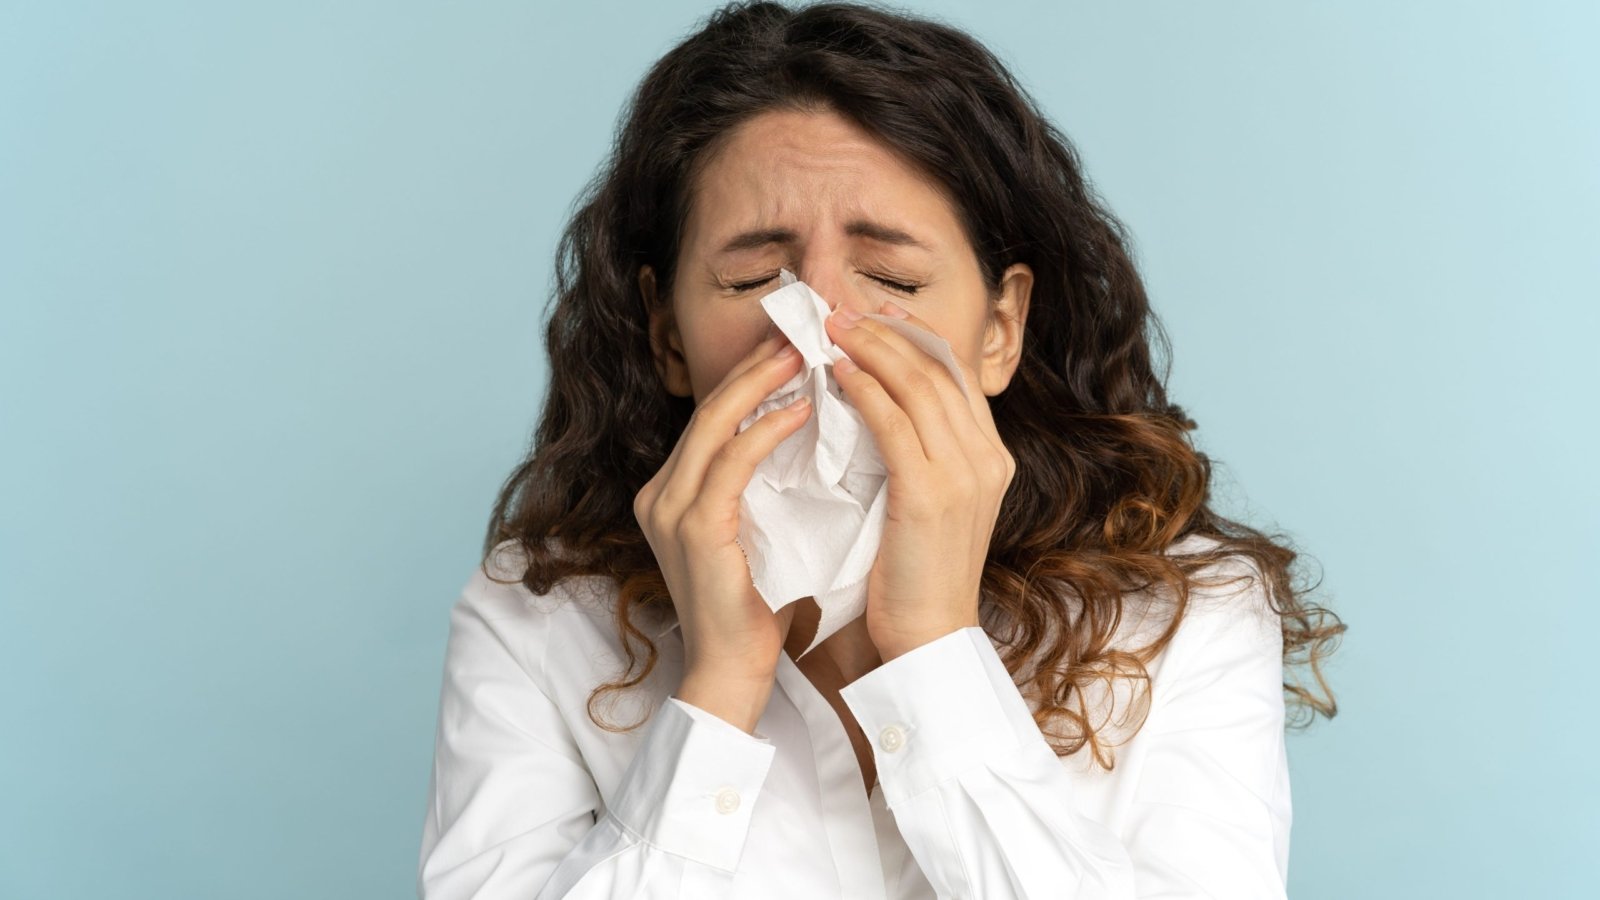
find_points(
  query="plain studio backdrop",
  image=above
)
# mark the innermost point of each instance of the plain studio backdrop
(273, 278)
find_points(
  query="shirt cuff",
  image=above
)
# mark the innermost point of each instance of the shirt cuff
(937, 710)
(693, 784)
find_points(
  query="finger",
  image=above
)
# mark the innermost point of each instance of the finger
(908, 376)
(734, 464)
(973, 400)
(898, 440)
(757, 355)
(716, 420)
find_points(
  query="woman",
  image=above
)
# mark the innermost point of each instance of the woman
(1069, 677)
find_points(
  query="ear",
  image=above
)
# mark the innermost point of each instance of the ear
(1002, 336)
(665, 343)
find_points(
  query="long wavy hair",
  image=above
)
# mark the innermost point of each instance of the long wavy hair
(1106, 477)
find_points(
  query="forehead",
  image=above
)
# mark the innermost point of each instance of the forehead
(803, 170)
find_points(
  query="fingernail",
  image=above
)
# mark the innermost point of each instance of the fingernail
(892, 308)
(787, 351)
(846, 365)
(846, 317)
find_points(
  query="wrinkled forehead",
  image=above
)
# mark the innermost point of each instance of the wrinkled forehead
(793, 176)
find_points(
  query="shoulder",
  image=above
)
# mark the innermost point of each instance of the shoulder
(496, 608)
(1226, 630)
(1229, 593)
(1226, 626)
(1227, 589)
(497, 587)
(1229, 634)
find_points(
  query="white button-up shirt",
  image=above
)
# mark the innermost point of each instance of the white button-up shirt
(529, 798)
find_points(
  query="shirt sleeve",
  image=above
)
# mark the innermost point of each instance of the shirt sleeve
(985, 805)
(513, 811)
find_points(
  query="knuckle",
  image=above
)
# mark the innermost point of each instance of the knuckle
(645, 498)
(658, 521)
(685, 529)
(998, 470)
(696, 523)
(731, 453)
(899, 427)
(921, 384)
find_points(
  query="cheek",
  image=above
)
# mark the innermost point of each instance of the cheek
(716, 348)
(966, 337)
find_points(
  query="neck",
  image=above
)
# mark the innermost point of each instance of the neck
(849, 650)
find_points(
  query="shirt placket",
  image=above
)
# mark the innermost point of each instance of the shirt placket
(846, 811)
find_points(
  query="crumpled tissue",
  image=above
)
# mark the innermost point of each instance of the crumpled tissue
(812, 516)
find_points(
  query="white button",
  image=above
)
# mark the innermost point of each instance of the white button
(727, 800)
(891, 738)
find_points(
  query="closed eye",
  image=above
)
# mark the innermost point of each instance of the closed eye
(899, 286)
(748, 285)
(904, 288)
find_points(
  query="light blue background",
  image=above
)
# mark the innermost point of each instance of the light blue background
(273, 277)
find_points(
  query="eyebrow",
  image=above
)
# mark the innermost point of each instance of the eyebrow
(877, 231)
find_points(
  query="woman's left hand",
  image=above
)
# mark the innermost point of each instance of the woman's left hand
(948, 471)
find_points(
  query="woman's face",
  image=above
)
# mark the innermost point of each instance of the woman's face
(811, 192)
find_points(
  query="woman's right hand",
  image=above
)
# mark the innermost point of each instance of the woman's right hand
(689, 513)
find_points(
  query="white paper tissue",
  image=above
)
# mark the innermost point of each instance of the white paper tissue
(813, 514)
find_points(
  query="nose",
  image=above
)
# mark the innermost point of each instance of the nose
(836, 288)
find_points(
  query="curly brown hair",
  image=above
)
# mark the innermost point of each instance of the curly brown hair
(1106, 478)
